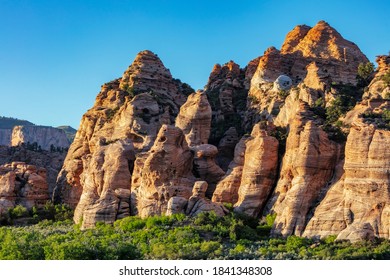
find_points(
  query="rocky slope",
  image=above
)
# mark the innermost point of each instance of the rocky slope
(269, 138)
(22, 184)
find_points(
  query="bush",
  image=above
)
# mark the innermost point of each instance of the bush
(365, 71)
(386, 78)
(175, 237)
(18, 211)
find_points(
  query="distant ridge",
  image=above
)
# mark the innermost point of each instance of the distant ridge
(69, 131)
(7, 122)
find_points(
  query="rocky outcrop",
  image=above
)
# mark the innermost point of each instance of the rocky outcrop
(226, 190)
(259, 171)
(317, 56)
(378, 88)
(358, 205)
(194, 119)
(45, 137)
(307, 168)
(151, 146)
(196, 204)
(130, 109)
(227, 90)
(252, 174)
(205, 167)
(162, 173)
(226, 148)
(105, 180)
(50, 161)
(22, 184)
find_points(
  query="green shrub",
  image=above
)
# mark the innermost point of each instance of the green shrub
(283, 94)
(18, 211)
(365, 71)
(270, 219)
(386, 78)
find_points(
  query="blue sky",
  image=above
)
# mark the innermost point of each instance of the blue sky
(55, 55)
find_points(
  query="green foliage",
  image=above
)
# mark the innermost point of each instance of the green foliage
(365, 71)
(381, 120)
(9, 123)
(320, 102)
(18, 211)
(283, 93)
(206, 236)
(110, 113)
(129, 91)
(281, 134)
(386, 79)
(58, 212)
(270, 219)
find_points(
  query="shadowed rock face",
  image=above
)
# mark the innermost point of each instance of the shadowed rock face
(50, 161)
(227, 189)
(22, 184)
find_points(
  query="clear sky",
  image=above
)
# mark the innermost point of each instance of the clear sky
(55, 55)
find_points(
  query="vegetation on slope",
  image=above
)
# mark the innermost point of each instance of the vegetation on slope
(177, 237)
(9, 123)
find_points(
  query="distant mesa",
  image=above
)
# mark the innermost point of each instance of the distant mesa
(15, 132)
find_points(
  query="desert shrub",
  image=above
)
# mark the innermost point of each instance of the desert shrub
(365, 73)
(386, 78)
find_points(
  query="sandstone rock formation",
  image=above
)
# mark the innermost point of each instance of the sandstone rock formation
(227, 90)
(194, 119)
(259, 171)
(131, 108)
(45, 136)
(163, 172)
(357, 206)
(197, 203)
(378, 88)
(50, 161)
(205, 167)
(307, 167)
(22, 184)
(317, 56)
(226, 190)
(105, 180)
(152, 146)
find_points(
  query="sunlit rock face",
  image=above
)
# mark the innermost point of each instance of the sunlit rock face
(257, 138)
(124, 122)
